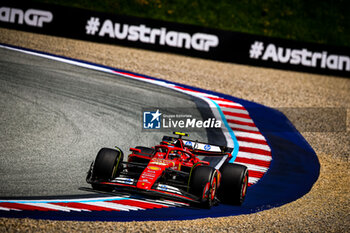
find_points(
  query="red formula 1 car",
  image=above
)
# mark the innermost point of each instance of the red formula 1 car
(178, 169)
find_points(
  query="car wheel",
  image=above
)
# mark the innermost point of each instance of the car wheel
(203, 184)
(106, 166)
(234, 183)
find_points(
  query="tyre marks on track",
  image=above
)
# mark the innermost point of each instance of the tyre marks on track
(252, 150)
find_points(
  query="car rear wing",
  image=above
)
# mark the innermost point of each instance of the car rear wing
(201, 147)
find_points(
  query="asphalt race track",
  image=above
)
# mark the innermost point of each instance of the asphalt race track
(56, 116)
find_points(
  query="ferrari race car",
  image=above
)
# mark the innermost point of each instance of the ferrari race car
(178, 169)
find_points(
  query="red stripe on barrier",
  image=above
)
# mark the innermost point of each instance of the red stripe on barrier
(24, 206)
(186, 89)
(253, 162)
(244, 130)
(253, 140)
(230, 106)
(144, 205)
(240, 122)
(235, 114)
(255, 174)
(255, 150)
(79, 205)
(221, 99)
(132, 75)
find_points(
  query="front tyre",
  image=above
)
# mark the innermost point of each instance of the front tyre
(106, 166)
(234, 183)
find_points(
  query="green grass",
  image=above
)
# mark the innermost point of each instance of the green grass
(325, 22)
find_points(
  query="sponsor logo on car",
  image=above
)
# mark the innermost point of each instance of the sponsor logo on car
(207, 147)
(168, 188)
(143, 181)
(124, 180)
(161, 162)
(154, 168)
(148, 175)
(162, 187)
(188, 143)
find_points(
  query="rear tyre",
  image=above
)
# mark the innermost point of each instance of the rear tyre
(203, 184)
(234, 183)
(106, 166)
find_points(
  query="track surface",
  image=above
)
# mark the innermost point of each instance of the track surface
(56, 116)
(297, 165)
(317, 211)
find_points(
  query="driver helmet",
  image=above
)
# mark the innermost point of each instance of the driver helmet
(174, 154)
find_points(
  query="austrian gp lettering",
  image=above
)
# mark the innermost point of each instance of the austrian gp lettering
(31, 17)
(302, 57)
(197, 41)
